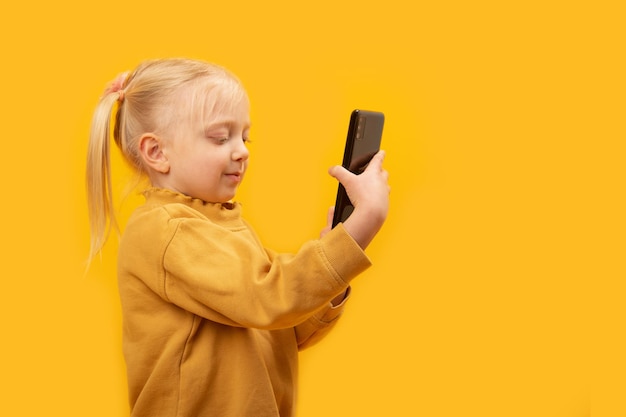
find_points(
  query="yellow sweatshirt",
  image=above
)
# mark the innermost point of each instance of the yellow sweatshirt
(213, 321)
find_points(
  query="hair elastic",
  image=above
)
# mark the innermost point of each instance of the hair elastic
(116, 85)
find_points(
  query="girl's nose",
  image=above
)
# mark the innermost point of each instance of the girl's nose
(240, 153)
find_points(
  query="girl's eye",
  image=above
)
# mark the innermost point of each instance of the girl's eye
(223, 140)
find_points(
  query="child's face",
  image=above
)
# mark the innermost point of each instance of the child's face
(209, 163)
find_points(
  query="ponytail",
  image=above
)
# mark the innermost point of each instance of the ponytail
(99, 188)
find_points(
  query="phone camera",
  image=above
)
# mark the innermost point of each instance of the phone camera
(360, 127)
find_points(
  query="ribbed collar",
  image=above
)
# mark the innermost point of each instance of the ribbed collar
(225, 214)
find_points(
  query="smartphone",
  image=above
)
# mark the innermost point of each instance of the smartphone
(365, 133)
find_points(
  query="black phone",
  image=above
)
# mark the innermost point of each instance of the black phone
(365, 133)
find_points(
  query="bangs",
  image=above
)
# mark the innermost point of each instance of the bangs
(214, 98)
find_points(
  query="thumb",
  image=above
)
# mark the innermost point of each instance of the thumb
(340, 173)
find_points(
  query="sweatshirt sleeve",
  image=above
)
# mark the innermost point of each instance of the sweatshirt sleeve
(225, 276)
(320, 324)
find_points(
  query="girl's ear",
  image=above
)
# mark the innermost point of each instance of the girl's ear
(151, 151)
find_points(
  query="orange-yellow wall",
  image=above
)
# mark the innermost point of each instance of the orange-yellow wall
(504, 135)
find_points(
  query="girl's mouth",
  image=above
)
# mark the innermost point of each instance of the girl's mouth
(235, 176)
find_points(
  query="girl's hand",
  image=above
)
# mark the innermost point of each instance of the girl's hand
(369, 194)
(329, 221)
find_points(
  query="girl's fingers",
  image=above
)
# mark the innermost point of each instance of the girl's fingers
(330, 215)
(377, 161)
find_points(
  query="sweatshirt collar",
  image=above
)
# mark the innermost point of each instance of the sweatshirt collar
(217, 212)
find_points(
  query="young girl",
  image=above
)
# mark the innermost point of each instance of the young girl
(213, 321)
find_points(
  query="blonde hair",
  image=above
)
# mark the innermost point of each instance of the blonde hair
(146, 100)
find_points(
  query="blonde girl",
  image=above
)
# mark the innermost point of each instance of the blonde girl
(212, 320)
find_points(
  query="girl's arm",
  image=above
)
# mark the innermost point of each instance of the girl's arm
(316, 327)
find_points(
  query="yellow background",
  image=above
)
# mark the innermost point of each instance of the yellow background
(499, 267)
